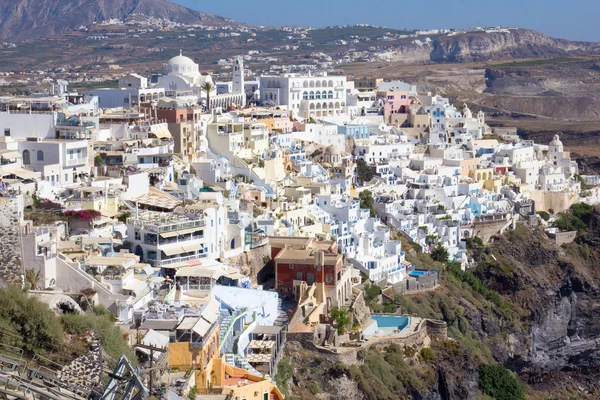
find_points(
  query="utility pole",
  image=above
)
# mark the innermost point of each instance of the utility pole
(151, 370)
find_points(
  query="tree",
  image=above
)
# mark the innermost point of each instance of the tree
(367, 201)
(207, 87)
(499, 383)
(340, 315)
(33, 278)
(569, 222)
(363, 171)
(439, 253)
(30, 320)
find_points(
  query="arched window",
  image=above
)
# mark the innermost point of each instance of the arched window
(318, 84)
(330, 83)
(311, 84)
(26, 157)
(318, 94)
(40, 155)
(330, 95)
(305, 95)
(305, 84)
(311, 95)
(324, 84)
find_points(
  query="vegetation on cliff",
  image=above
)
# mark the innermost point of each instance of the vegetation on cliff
(503, 317)
(28, 323)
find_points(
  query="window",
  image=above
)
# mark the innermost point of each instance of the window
(26, 157)
(40, 155)
(291, 266)
(66, 177)
(299, 276)
(6, 131)
(138, 236)
(329, 278)
(126, 100)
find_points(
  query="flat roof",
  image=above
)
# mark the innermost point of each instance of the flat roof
(267, 330)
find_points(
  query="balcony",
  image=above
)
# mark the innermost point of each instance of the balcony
(76, 161)
(167, 226)
(176, 260)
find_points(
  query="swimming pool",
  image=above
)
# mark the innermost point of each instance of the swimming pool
(386, 325)
(420, 272)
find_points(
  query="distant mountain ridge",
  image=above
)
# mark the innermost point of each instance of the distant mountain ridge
(29, 19)
(485, 46)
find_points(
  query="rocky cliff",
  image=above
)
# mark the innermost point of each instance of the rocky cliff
(516, 43)
(27, 19)
(530, 306)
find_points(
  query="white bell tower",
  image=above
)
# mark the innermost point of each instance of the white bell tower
(237, 85)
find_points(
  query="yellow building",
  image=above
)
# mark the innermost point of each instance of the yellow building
(213, 375)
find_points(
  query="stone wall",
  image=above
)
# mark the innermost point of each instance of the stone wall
(85, 371)
(558, 202)
(421, 335)
(486, 229)
(561, 238)
(252, 262)
(10, 222)
(360, 311)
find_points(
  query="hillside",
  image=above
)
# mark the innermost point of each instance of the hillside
(530, 307)
(28, 19)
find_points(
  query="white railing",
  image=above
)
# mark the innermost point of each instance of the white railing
(170, 261)
(76, 161)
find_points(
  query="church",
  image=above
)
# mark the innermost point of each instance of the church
(182, 74)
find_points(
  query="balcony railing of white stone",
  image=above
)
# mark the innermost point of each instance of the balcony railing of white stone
(176, 260)
(76, 161)
(166, 223)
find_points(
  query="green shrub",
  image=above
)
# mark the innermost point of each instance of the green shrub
(284, 374)
(543, 215)
(427, 354)
(499, 383)
(111, 336)
(313, 387)
(569, 222)
(34, 325)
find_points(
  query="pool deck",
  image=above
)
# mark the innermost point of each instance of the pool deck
(407, 331)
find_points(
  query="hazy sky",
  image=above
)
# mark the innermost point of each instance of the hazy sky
(575, 19)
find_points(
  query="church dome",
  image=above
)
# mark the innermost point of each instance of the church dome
(556, 141)
(332, 150)
(182, 65)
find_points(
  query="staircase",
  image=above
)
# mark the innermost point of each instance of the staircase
(226, 326)
(282, 315)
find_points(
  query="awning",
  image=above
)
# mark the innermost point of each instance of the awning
(188, 323)
(168, 234)
(20, 172)
(192, 247)
(161, 132)
(201, 327)
(173, 250)
(211, 311)
(181, 232)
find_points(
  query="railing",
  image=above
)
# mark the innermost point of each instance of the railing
(170, 261)
(76, 161)
(235, 317)
(166, 227)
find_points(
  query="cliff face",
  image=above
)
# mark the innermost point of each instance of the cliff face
(544, 326)
(557, 289)
(517, 43)
(27, 19)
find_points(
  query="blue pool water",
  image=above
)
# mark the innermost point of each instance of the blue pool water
(417, 273)
(386, 325)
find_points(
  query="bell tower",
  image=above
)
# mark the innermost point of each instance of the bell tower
(237, 85)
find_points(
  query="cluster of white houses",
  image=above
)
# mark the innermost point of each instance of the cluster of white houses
(161, 192)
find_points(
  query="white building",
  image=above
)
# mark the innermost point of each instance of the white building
(306, 96)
